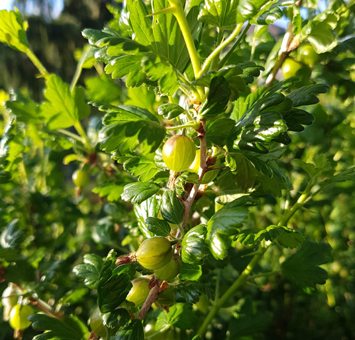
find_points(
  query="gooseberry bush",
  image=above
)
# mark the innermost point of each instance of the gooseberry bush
(168, 195)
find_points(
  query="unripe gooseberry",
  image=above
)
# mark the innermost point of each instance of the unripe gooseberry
(170, 271)
(154, 253)
(208, 176)
(179, 152)
(139, 291)
(166, 298)
(308, 55)
(96, 324)
(290, 67)
(80, 178)
(18, 316)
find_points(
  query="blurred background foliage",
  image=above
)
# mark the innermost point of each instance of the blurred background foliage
(54, 229)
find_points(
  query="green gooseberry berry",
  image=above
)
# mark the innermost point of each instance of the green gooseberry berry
(154, 253)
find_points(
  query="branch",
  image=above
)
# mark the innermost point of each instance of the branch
(152, 297)
(203, 168)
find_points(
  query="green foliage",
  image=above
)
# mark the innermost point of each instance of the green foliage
(89, 270)
(222, 224)
(302, 268)
(12, 30)
(139, 192)
(283, 236)
(126, 124)
(179, 315)
(194, 247)
(69, 328)
(172, 209)
(158, 227)
(63, 109)
(247, 239)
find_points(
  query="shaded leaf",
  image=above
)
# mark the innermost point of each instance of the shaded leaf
(132, 331)
(190, 272)
(172, 208)
(68, 328)
(217, 98)
(157, 226)
(302, 268)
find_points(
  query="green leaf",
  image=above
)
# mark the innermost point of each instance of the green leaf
(302, 268)
(218, 130)
(249, 177)
(180, 315)
(217, 98)
(260, 125)
(11, 147)
(170, 111)
(149, 208)
(222, 224)
(12, 31)
(74, 296)
(306, 95)
(247, 9)
(139, 166)
(20, 271)
(102, 89)
(89, 270)
(271, 12)
(68, 328)
(283, 236)
(132, 331)
(157, 226)
(160, 72)
(8, 255)
(63, 108)
(118, 317)
(245, 102)
(169, 42)
(342, 176)
(190, 272)
(319, 32)
(112, 292)
(190, 291)
(246, 174)
(172, 208)
(220, 14)
(250, 71)
(141, 24)
(194, 248)
(127, 65)
(110, 190)
(139, 192)
(248, 322)
(24, 108)
(5, 177)
(128, 127)
(12, 236)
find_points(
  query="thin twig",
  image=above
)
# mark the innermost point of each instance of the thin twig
(203, 168)
(152, 297)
